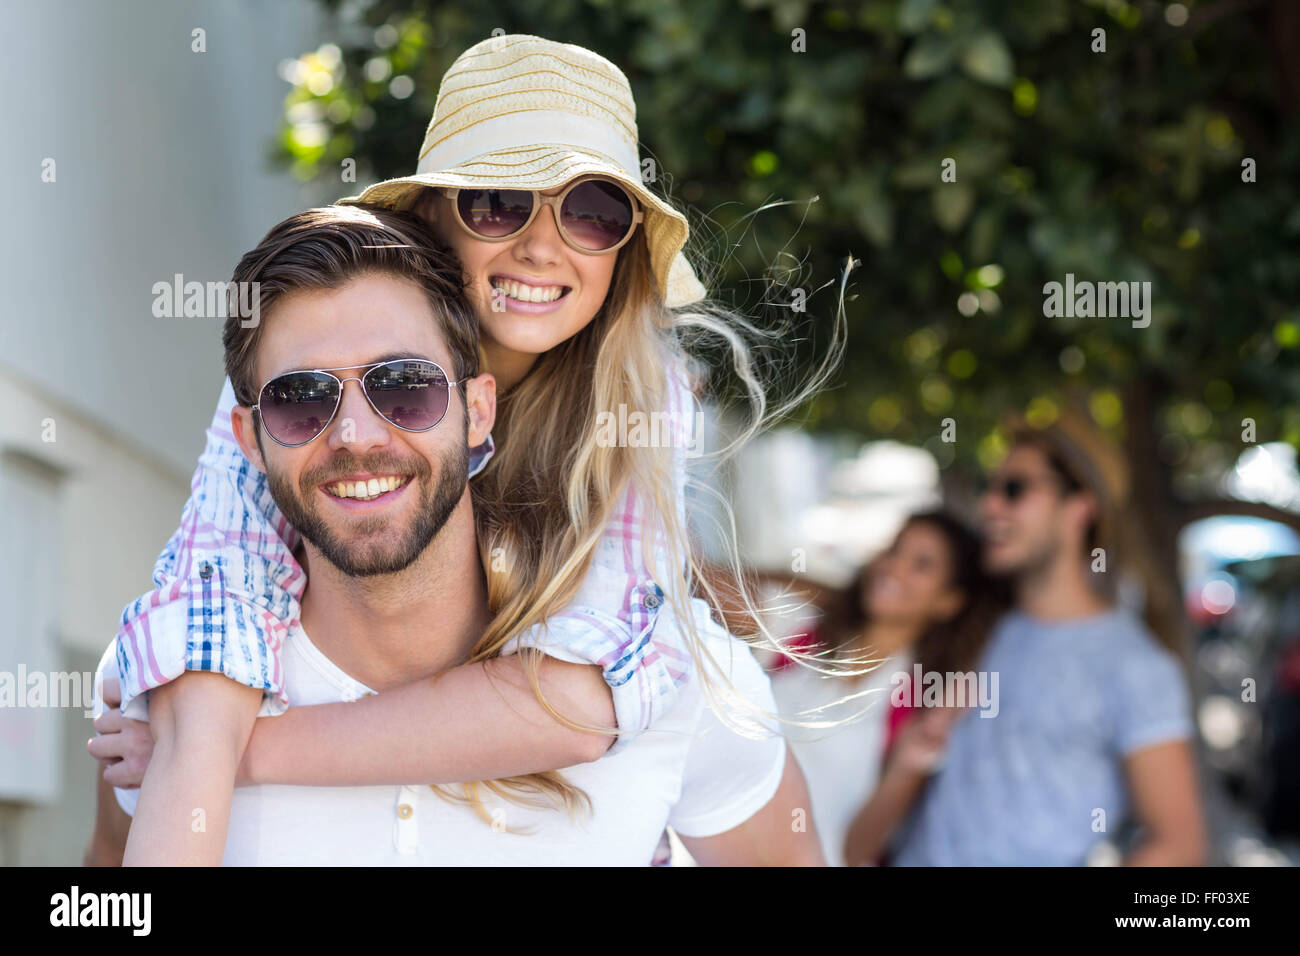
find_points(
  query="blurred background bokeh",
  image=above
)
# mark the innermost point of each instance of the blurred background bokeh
(1171, 157)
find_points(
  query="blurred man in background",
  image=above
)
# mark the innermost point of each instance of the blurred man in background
(1093, 729)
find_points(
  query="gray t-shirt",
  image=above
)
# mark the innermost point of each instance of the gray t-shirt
(1042, 781)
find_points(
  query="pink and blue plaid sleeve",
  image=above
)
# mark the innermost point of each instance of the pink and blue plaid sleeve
(226, 586)
(612, 620)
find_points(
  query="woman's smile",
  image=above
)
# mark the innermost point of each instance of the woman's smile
(531, 296)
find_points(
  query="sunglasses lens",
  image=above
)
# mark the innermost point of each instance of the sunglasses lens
(411, 394)
(494, 213)
(598, 215)
(295, 408)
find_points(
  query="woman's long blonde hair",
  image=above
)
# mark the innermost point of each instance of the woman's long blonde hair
(543, 502)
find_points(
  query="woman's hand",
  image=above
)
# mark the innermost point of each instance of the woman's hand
(916, 754)
(124, 746)
(923, 740)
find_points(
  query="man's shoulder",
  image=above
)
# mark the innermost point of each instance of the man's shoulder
(1129, 636)
(731, 694)
(1139, 657)
(723, 654)
(735, 754)
(1121, 649)
(725, 688)
(1113, 625)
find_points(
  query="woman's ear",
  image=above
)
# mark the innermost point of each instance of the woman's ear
(426, 206)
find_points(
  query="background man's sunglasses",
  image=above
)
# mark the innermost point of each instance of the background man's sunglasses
(594, 216)
(1014, 487)
(411, 394)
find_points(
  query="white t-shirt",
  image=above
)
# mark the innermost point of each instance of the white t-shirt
(841, 764)
(691, 772)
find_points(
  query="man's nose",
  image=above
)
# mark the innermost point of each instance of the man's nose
(992, 504)
(356, 426)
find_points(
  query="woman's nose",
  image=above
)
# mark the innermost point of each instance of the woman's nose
(541, 242)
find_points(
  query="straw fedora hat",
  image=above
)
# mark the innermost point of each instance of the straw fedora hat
(1092, 458)
(524, 112)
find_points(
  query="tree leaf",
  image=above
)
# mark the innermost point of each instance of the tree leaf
(913, 15)
(987, 58)
(928, 57)
(952, 203)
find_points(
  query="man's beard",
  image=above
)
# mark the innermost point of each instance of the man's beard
(1038, 557)
(374, 548)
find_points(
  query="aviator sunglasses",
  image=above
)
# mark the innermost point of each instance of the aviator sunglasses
(411, 394)
(594, 216)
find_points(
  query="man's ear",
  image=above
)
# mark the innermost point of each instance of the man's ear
(480, 407)
(241, 423)
(1083, 510)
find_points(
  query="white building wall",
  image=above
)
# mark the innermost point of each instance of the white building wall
(160, 167)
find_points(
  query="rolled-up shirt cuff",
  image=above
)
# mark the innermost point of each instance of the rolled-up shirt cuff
(222, 635)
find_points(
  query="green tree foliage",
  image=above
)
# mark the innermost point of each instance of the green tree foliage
(1122, 165)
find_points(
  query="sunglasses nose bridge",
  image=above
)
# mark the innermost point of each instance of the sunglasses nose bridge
(342, 417)
(995, 492)
(547, 207)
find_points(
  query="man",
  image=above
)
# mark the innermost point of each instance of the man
(1093, 728)
(380, 498)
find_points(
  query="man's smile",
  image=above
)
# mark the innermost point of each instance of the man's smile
(365, 488)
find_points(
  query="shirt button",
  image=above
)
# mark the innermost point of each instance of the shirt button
(205, 570)
(652, 601)
(404, 811)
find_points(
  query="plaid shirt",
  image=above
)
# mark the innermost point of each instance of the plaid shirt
(227, 589)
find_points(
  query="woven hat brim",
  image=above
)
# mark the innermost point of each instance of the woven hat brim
(546, 166)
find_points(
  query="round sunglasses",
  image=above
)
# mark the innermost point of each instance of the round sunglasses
(411, 394)
(594, 216)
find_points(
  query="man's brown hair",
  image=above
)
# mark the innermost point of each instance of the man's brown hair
(327, 247)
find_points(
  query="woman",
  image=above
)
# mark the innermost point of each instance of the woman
(923, 600)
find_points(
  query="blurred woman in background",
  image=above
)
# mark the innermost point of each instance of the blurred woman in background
(923, 600)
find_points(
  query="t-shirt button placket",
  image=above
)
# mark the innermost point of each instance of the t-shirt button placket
(406, 828)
